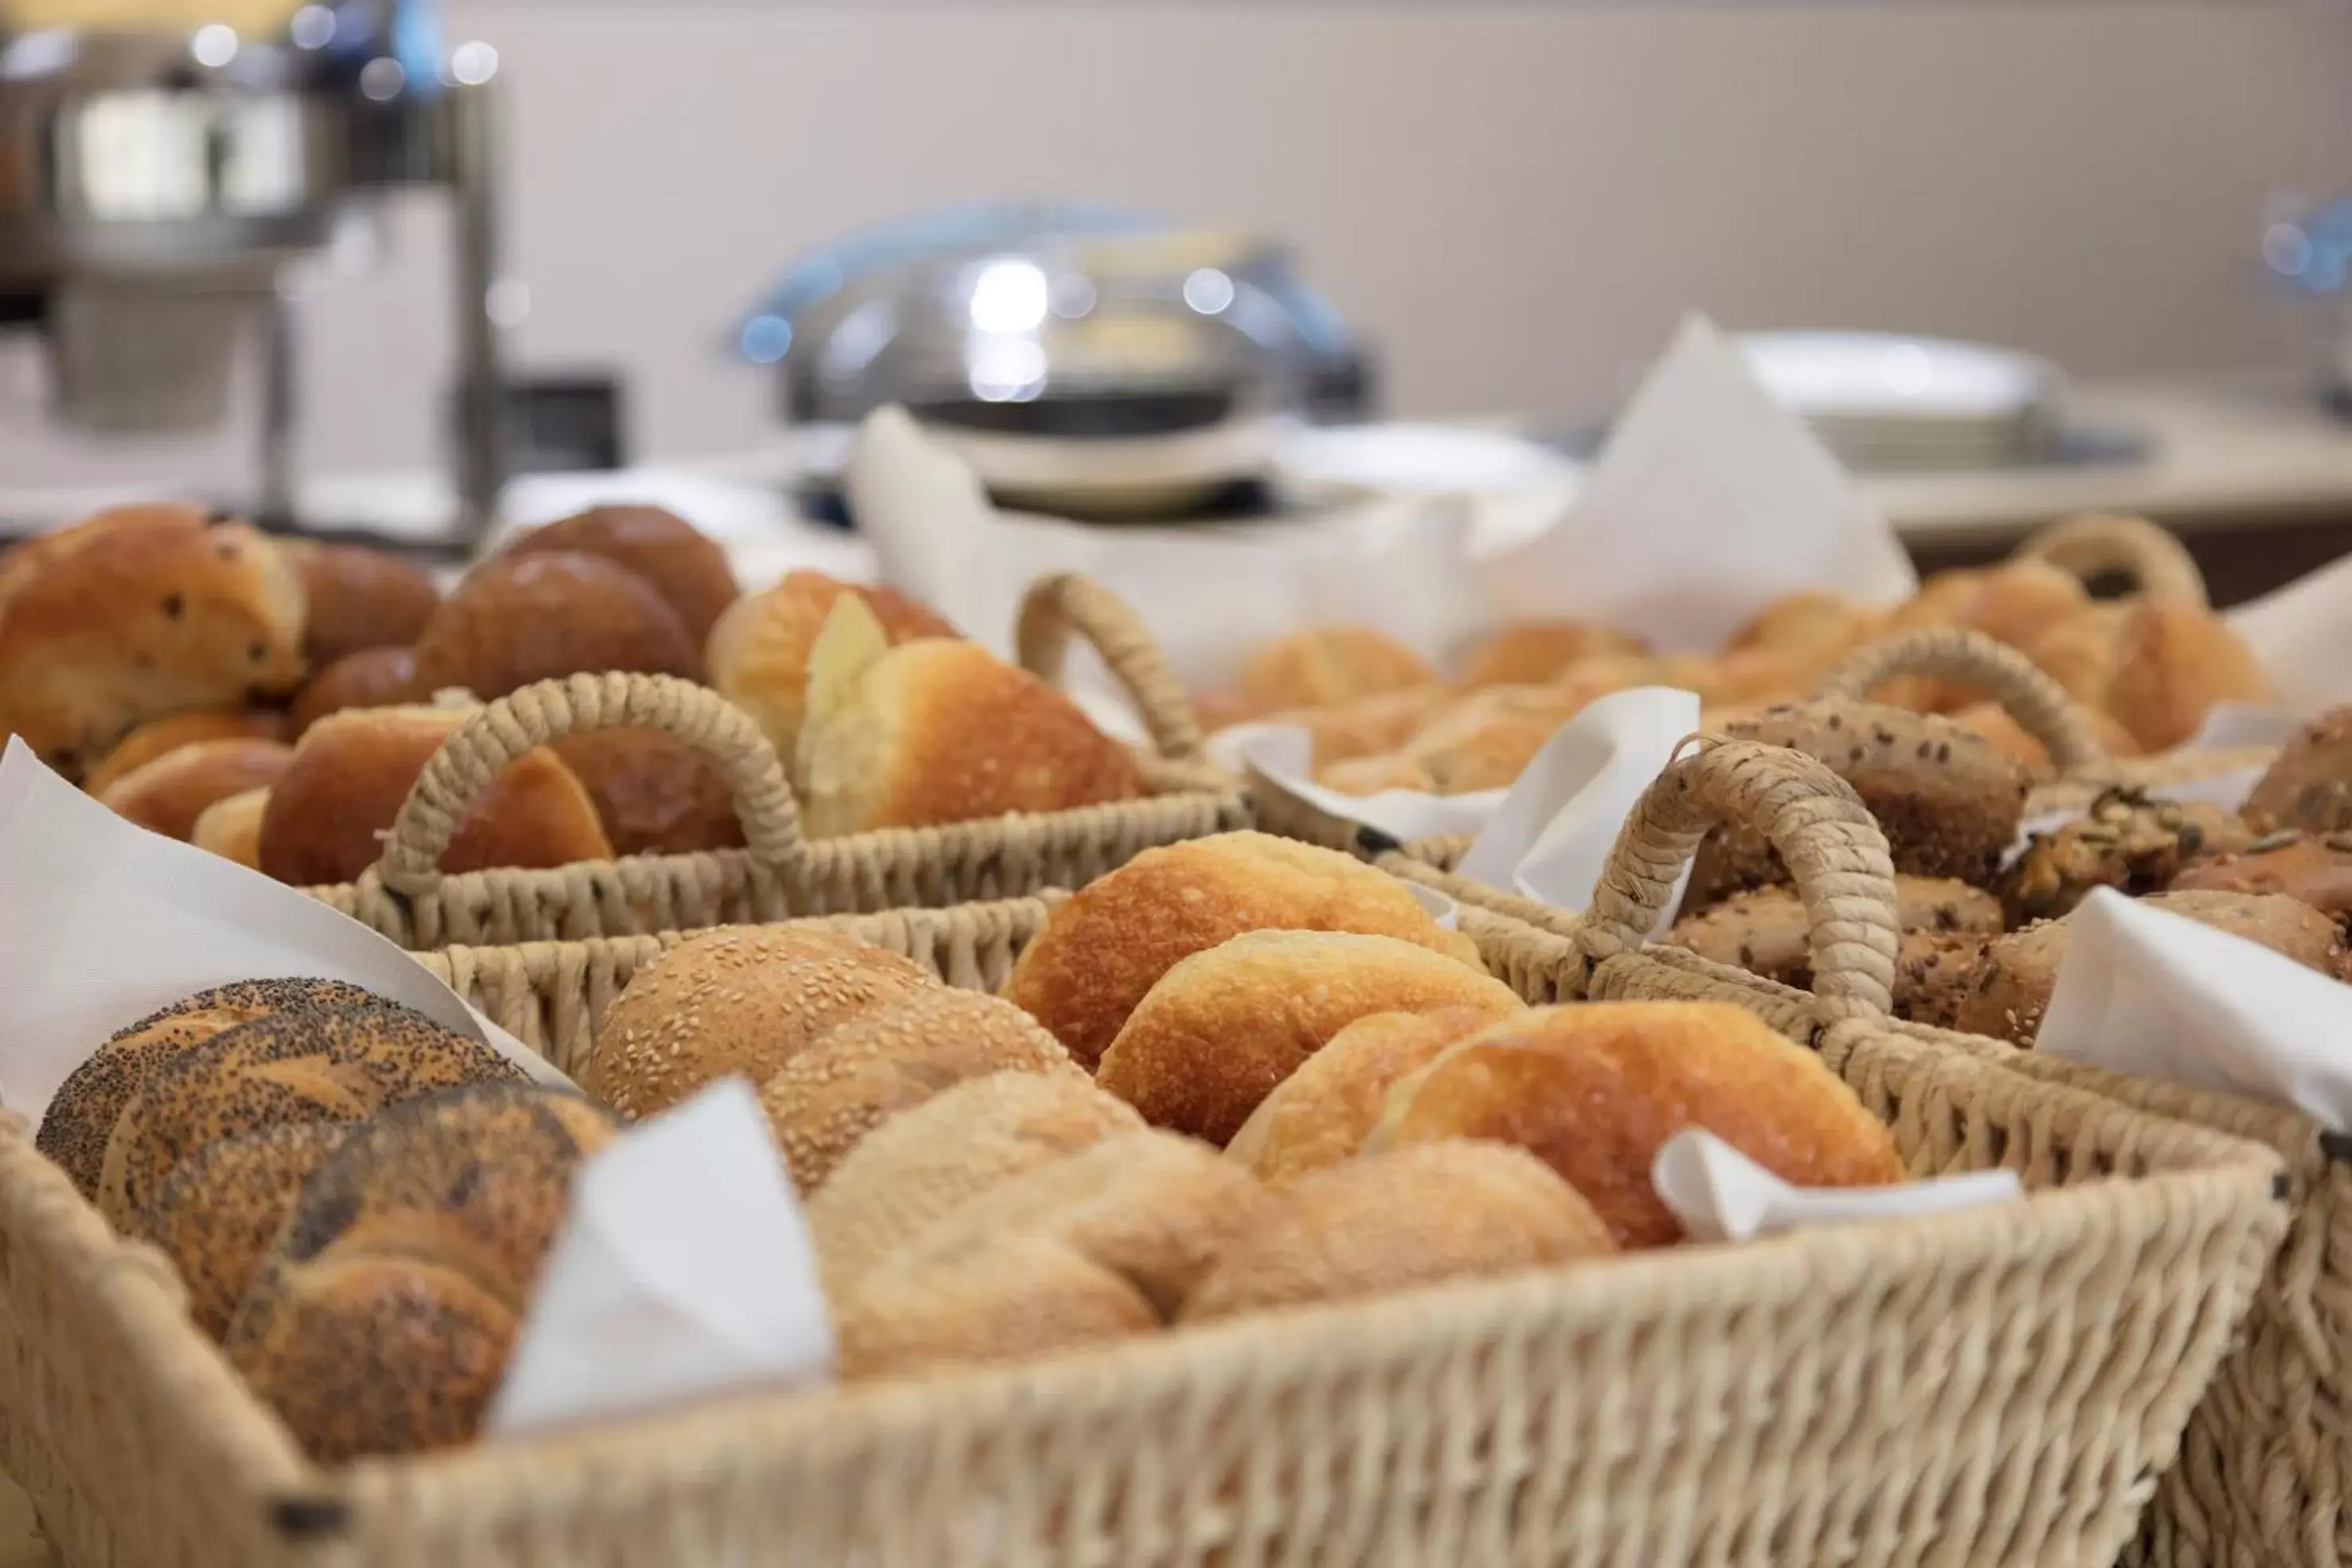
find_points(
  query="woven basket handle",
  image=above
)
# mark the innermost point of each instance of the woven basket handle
(1057, 605)
(2039, 704)
(721, 734)
(2100, 542)
(1834, 852)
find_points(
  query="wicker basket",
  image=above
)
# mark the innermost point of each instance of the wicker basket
(1995, 1387)
(781, 874)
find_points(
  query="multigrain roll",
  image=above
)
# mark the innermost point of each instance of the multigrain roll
(367, 677)
(687, 568)
(167, 796)
(889, 1059)
(2309, 784)
(1321, 1115)
(1417, 1215)
(1222, 1028)
(2313, 868)
(517, 619)
(742, 1001)
(359, 598)
(1766, 931)
(1594, 1091)
(1106, 944)
(1934, 976)
(381, 1321)
(940, 730)
(1323, 665)
(231, 828)
(759, 650)
(653, 794)
(160, 737)
(1534, 651)
(2127, 841)
(217, 1214)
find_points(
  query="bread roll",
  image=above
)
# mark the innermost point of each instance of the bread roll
(2017, 602)
(2079, 651)
(2127, 841)
(742, 1001)
(359, 598)
(523, 617)
(382, 1320)
(125, 619)
(217, 1212)
(1321, 1114)
(1324, 665)
(1485, 740)
(82, 1113)
(759, 650)
(328, 811)
(1107, 944)
(2006, 735)
(2311, 868)
(889, 1059)
(1933, 974)
(1534, 651)
(1418, 1215)
(986, 1301)
(1594, 1091)
(1366, 727)
(370, 677)
(1766, 931)
(688, 570)
(1222, 1028)
(653, 794)
(939, 730)
(2309, 784)
(1364, 775)
(2174, 660)
(231, 828)
(328, 1064)
(167, 795)
(1816, 625)
(162, 736)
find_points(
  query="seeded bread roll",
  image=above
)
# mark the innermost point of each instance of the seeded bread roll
(1764, 930)
(167, 796)
(231, 828)
(330, 1065)
(1321, 1115)
(2127, 841)
(687, 569)
(918, 1167)
(1531, 650)
(1324, 665)
(82, 1113)
(758, 650)
(744, 1000)
(940, 730)
(1934, 976)
(2309, 783)
(217, 1212)
(370, 677)
(1594, 1091)
(1107, 944)
(517, 619)
(359, 598)
(1222, 1028)
(981, 1302)
(381, 1321)
(2312, 867)
(653, 794)
(1419, 1215)
(160, 737)
(887, 1060)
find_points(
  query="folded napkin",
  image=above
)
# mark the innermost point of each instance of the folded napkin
(1721, 1195)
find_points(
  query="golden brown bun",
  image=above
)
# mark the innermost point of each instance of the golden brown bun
(758, 650)
(920, 1166)
(352, 770)
(231, 828)
(984, 1303)
(1222, 1028)
(1594, 1091)
(2006, 735)
(359, 598)
(1112, 941)
(1534, 651)
(2313, 868)
(2079, 651)
(1817, 626)
(1485, 740)
(167, 795)
(128, 617)
(1366, 726)
(1419, 1215)
(1320, 1114)
(653, 794)
(381, 1321)
(326, 1064)
(1324, 665)
(2173, 662)
(217, 1212)
(1764, 930)
(888, 1059)
(81, 1117)
(162, 736)
(2012, 988)
(940, 730)
(2018, 602)
(371, 677)
(688, 570)
(1372, 775)
(2309, 783)
(523, 617)
(2127, 841)
(742, 1001)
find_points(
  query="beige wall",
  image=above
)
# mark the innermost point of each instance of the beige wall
(1516, 199)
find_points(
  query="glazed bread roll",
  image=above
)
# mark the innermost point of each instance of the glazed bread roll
(544, 615)
(359, 598)
(1324, 665)
(940, 730)
(81, 1116)
(2309, 784)
(688, 570)
(653, 794)
(217, 1212)
(759, 650)
(1321, 1115)
(1594, 1091)
(1536, 650)
(1764, 930)
(328, 811)
(887, 1060)
(742, 1001)
(381, 1321)
(1222, 1028)
(1107, 944)
(921, 1165)
(132, 616)
(160, 737)
(2311, 868)
(1418, 1215)
(231, 828)
(167, 796)
(370, 677)
(2127, 841)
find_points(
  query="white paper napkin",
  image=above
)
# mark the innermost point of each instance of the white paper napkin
(2147, 992)
(1721, 1195)
(682, 1271)
(102, 923)
(2303, 635)
(1709, 501)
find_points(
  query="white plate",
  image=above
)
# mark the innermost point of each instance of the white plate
(1879, 376)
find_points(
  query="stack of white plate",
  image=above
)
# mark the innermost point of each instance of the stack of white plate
(1881, 401)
